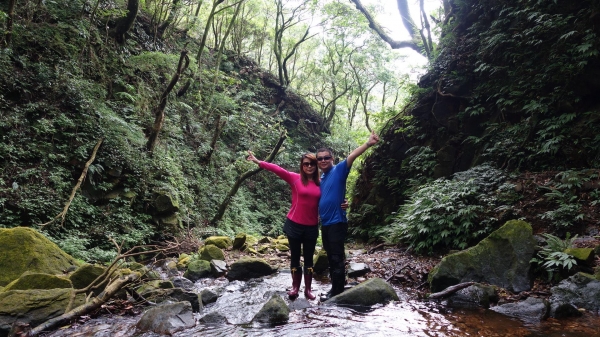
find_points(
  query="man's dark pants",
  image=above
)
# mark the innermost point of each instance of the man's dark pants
(334, 237)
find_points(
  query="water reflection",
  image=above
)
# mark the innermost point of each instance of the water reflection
(240, 301)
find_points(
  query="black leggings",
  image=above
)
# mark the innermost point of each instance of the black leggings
(298, 236)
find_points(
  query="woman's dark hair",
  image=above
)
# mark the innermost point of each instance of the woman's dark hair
(315, 176)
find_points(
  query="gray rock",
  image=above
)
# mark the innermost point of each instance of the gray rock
(477, 295)
(274, 311)
(182, 282)
(581, 290)
(208, 296)
(366, 294)
(501, 259)
(175, 295)
(531, 310)
(358, 269)
(167, 319)
(213, 318)
(218, 268)
(563, 310)
(249, 267)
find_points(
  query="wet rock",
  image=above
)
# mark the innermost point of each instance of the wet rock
(222, 242)
(299, 304)
(211, 252)
(175, 295)
(501, 259)
(85, 275)
(321, 264)
(581, 290)
(563, 310)
(213, 318)
(197, 269)
(474, 296)
(358, 269)
(182, 282)
(171, 268)
(273, 312)
(249, 267)
(24, 249)
(218, 268)
(33, 306)
(239, 241)
(208, 296)
(152, 285)
(371, 292)
(531, 310)
(167, 319)
(38, 281)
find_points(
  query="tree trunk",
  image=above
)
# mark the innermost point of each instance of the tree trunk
(170, 18)
(127, 22)
(9, 22)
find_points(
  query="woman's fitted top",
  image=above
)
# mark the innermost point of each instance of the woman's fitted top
(305, 199)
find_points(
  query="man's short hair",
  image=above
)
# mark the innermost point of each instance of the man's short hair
(324, 149)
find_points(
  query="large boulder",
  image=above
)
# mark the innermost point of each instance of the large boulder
(211, 252)
(249, 267)
(24, 249)
(222, 242)
(366, 294)
(582, 290)
(168, 319)
(38, 281)
(273, 312)
(501, 259)
(33, 306)
(86, 274)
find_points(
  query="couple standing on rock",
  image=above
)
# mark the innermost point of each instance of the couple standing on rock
(314, 197)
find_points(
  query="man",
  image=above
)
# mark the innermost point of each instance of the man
(334, 225)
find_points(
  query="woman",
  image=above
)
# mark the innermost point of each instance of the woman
(301, 223)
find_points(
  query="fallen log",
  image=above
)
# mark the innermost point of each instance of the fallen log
(84, 309)
(450, 290)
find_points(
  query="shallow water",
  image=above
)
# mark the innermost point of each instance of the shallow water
(240, 301)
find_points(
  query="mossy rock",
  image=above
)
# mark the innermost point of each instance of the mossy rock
(251, 250)
(239, 241)
(222, 242)
(284, 242)
(265, 239)
(198, 269)
(152, 285)
(85, 275)
(282, 248)
(211, 252)
(282, 237)
(263, 249)
(24, 249)
(366, 294)
(582, 255)
(171, 221)
(274, 311)
(501, 259)
(33, 306)
(165, 203)
(251, 240)
(183, 262)
(321, 264)
(249, 267)
(38, 281)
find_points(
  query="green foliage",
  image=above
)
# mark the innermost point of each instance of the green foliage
(552, 257)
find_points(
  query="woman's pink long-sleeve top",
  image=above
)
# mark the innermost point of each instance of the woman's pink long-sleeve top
(305, 199)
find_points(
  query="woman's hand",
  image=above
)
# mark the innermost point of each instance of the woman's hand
(252, 158)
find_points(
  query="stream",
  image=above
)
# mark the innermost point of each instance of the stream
(240, 301)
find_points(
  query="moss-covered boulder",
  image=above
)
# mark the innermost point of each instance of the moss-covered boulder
(263, 249)
(183, 261)
(198, 269)
(581, 290)
(283, 241)
(282, 248)
(251, 240)
(33, 306)
(165, 203)
(152, 285)
(85, 275)
(38, 281)
(239, 241)
(24, 249)
(501, 259)
(274, 311)
(321, 264)
(222, 242)
(249, 267)
(584, 256)
(366, 294)
(211, 252)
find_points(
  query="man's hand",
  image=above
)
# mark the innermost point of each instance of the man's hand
(345, 205)
(373, 139)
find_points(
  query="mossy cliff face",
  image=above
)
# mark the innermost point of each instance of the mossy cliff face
(501, 259)
(24, 249)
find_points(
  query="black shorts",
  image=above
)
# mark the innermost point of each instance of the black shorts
(300, 232)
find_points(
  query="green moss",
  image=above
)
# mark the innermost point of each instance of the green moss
(38, 281)
(222, 242)
(581, 254)
(282, 248)
(211, 252)
(85, 275)
(197, 269)
(239, 241)
(24, 249)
